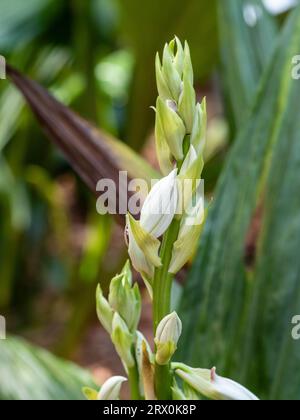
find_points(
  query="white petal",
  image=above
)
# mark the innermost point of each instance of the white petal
(160, 206)
(110, 390)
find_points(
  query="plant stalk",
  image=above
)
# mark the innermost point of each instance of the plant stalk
(162, 288)
(133, 377)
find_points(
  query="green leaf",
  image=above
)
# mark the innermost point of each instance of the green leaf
(92, 153)
(247, 39)
(21, 21)
(248, 337)
(30, 373)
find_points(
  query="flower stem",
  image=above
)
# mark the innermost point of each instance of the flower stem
(133, 377)
(162, 287)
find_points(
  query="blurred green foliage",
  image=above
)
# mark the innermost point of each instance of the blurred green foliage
(97, 56)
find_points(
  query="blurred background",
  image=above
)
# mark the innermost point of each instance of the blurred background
(97, 57)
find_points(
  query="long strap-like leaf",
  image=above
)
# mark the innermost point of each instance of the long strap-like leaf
(93, 154)
(263, 169)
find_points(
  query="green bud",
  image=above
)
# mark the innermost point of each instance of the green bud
(166, 338)
(143, 248)
(125, 299)
(172, 126)
(198, 137)
(187, 104)
(187, 65)
(104, 311)
(162, 148)
(171, 74)
(123, 340)
(190, 231)
(179, 56)
(162, 86)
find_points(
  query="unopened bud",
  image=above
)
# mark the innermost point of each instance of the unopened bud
(125, 299)
(143, 248)
(104, 311)
(160, 206)
(110, 390)
(212, 386)
(123, 340)
(166, 338)
(198, 137)
(187, 104)
(172, 125)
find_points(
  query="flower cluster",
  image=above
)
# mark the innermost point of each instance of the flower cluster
(159, 245)
(180, 131)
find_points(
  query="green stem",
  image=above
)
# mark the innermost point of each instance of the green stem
(133, 376)
(162, 287)
(163, 279)
(162, 304)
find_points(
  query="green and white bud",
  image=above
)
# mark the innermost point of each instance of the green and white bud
(162, 85)
(104, 310)
(167, 335)
(172, 126)
(188, 162)
(110, 390)
(190, 231)
(188, 71)
(198, 137)
(125, 298)
(212, 386)
(143, 248)
(163, 152)
(170, 71)
(123, 340)
(160, 206)
(187, 104)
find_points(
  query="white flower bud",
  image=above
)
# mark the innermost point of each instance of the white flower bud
(212, 386)
(104, 311)
(110, 390)
(167, 335)
(125, 299)
(123, 340)
(160, 206)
